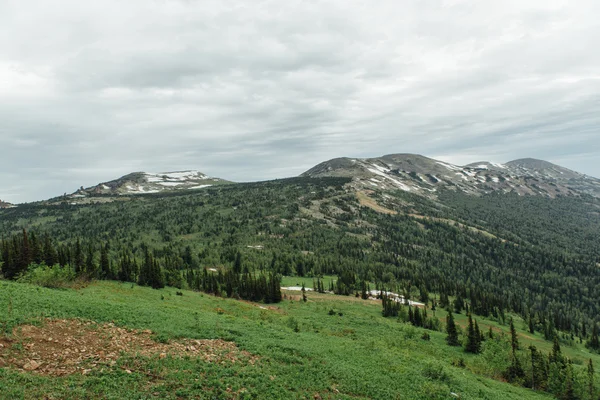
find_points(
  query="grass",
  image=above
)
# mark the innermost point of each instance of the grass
(357, 355)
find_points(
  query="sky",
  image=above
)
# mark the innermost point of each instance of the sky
(252, 90)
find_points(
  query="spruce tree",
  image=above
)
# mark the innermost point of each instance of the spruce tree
(452, 338)
(304, 299)
(78, 261)
(515, 371)
(590, 375)
(472, 345)
(105, 272)
(594, 343)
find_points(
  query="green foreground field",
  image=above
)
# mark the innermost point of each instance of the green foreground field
(301, 350)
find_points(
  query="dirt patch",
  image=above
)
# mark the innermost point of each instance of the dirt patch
(64, 347)
(367, 201)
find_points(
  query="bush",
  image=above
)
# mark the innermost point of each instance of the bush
(435, 371)
(55, 277)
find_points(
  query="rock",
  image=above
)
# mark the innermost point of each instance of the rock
(162, 355)
(31, 365)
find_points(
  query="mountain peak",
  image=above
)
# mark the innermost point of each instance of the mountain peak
(146, 183)
(426, 176)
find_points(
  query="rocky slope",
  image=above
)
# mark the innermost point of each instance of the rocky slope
(145, 183)
(426, 176)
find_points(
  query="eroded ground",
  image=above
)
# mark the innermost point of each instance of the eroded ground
(64, 347)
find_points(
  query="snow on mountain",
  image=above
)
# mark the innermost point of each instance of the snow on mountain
(426, 176)
(147, 183)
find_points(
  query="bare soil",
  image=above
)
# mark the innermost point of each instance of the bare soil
(64, 347)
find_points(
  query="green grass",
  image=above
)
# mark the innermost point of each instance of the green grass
(357, 355)
(288, 281)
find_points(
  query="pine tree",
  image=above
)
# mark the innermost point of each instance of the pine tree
(24, 254)
(594, 343)
(452, 338)
(472, 345)
(50, 256)
(569, 383)
(237, 265)
(90, 263)
(304, 299)
(78, 258)
(515, 371)
(590, 376)
(105, 272)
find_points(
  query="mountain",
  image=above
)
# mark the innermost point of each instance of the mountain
(145, 183)
(4, 204)
(426, 176)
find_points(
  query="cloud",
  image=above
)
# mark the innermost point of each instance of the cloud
(260, 90)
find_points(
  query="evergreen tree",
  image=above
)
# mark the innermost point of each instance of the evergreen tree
(304, 299)
(452, 337)
(25, 257)
(569, 393)
(590, 376)
(515, 371)
(105, 271)
(473, 344)
(78, 261)
(594, 343)
(50, 256)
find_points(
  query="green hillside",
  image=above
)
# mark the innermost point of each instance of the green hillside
(300, 350)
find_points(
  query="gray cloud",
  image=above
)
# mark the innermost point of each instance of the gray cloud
(90, 91)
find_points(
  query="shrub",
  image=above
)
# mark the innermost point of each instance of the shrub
(55, 277)
(435, 371)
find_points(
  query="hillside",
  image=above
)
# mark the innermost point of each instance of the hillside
(138, 183)
(291, 350)
(4, 204)
(426, 176)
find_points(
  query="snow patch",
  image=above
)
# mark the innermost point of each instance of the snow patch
(170, 183)
(381, 171)
(199, 187)
(449, 166)
(297, 288)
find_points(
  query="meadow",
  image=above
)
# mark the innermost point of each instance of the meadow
(335, 347)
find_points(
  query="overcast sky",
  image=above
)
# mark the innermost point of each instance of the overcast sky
(251, 90)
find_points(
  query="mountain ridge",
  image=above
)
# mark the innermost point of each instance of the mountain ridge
(396, 171)
(426, 176)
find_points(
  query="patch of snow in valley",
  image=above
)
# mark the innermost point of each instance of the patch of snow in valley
(199, 187)
(297, 288)
(495, 179)
(396, 297)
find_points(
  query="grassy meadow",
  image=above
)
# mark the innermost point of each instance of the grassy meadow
(302, 350)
